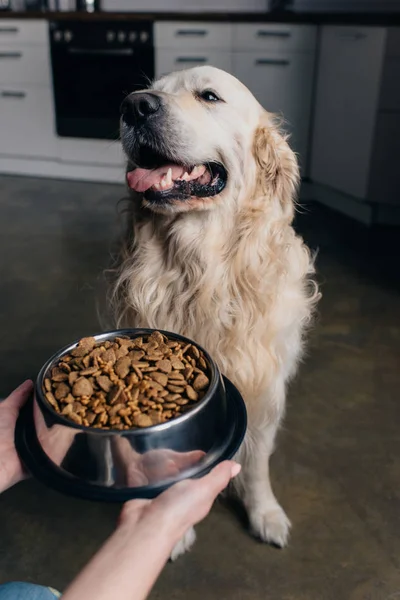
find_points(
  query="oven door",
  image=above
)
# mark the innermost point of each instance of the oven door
(90, 84)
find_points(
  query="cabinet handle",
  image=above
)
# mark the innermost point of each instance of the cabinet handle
(278, 34)
(10, 54)
(191, 59)
(193, 32)
(9, 29)
(13, 94)
(277, 62)
(352, 36)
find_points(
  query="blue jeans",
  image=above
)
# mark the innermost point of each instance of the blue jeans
(26, 591)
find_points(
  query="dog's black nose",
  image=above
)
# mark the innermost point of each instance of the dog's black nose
(139, 106)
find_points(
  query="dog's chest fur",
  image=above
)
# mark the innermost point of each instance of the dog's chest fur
(230, 286)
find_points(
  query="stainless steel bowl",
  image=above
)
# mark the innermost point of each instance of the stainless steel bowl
(117, 465)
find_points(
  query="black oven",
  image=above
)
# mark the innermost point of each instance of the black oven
(95, 65)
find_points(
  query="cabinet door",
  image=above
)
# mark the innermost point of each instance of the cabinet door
(349, 74)
(283, 84)
(24, 64)
(168, 61)
(27, 121)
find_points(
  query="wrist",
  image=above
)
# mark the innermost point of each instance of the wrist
(158, 524)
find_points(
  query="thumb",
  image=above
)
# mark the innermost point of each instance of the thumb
(19, 396)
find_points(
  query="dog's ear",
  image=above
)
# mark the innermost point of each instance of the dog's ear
(277, 167)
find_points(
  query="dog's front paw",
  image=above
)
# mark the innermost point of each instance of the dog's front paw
(184, 544)
(270, 525)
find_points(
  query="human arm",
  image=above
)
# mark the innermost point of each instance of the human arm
(148, 528)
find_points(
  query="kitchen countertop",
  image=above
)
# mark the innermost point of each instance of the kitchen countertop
(268, 17)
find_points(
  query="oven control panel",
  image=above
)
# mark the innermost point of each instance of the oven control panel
(102, 34)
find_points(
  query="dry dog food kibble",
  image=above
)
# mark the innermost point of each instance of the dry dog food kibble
(127, 383)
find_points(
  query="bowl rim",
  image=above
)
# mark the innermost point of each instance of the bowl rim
(216, 379)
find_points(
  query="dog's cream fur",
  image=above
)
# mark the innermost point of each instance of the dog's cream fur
(228, 271)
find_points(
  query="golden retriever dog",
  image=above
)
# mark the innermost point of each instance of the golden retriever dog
(210, 252)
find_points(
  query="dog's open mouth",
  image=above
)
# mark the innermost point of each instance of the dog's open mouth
(164, 180)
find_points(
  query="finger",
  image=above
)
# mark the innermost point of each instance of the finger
(190, 500)
(19, 396)
(212, 484)
(204, 491)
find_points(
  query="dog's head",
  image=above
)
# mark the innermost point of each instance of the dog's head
(198, 137)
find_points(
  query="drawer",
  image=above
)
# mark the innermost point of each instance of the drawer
(274, 37)
(282, 84)
(24, 64)
(23, 32)
(192, 35)
(27, 121)
(168, 61)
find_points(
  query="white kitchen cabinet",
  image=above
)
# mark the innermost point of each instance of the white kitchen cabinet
(26, 97)
(18, 31)
(357, 123)
(192, 35)
(348, 91)
(275, 37)
(28, 142)
(168, 60)
(182, 45)
(24, 64)
(26, 121)
(283, 84)
(277, 63)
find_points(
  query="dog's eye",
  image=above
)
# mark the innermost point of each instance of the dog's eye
(209, 96)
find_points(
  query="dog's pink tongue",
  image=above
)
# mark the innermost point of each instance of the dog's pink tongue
(141, 180)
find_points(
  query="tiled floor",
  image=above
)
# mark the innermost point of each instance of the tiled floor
(336, 470)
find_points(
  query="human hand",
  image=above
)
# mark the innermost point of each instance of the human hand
(148, 528)
(182, 505)
(11, 469)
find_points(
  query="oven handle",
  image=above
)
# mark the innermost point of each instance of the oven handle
(100, 52)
